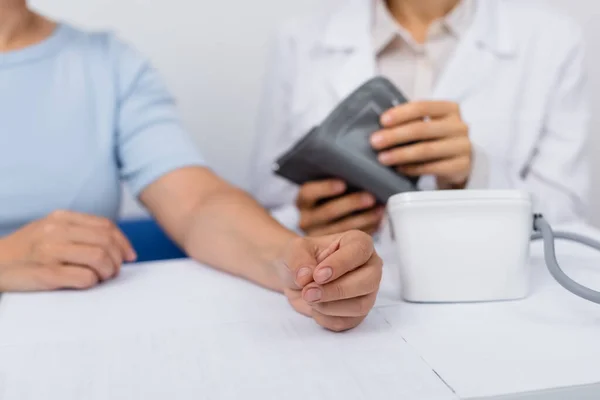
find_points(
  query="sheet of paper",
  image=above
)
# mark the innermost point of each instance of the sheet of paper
(549, 340)
(181, 331)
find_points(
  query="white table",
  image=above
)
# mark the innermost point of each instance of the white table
(181, 331)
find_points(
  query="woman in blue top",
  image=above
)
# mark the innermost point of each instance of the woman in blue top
(81, 112)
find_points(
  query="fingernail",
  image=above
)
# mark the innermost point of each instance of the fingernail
(339, 186)
(368, 200)
(376, 139)
(322, 275)
(313, 295)
(132, 256)
(386, 119)
(385, 158)
(303, 273)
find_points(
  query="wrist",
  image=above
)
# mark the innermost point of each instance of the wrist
(273, 256)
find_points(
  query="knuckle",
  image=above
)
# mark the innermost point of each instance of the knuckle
(374, 216)
(106, 223)
(50, 227)
(106, 240)
(425, 149)
(363, 220)
(420, 129)
(99, 256)
(469, 147)
(372, 285)
(349, 224)
(58, 214)
(413, 169)
(362, 242)
(420, 108)
(45, 253)
(87, 280)
(466, 162)
(106, 235)
(303, 224)
(338, 291)
(330, 211)
(46, 248)
(349, 203)
(364, 305)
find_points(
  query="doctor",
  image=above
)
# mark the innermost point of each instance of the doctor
(498, 101)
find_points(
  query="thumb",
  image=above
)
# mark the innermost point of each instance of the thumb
(34, 278)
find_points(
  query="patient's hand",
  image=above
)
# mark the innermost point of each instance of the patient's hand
(333, 279)
(63, 250)
(30, 277)
(338, 214)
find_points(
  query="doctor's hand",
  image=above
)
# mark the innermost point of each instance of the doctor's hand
(436, 138)
(333, 279)
(63, 250)
(324, 211)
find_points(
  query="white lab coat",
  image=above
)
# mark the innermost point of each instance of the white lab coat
(518, 75)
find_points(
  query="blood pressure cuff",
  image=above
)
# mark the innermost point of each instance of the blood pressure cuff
(340, 146)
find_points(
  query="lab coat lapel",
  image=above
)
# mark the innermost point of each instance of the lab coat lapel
(349, 38)
(478, 54)
(469, 66)
(356, 70)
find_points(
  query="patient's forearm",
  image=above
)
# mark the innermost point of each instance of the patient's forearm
(231, 231)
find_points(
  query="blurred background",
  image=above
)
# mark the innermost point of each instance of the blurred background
(212, 55)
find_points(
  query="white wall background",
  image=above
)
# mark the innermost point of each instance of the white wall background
(212, 54)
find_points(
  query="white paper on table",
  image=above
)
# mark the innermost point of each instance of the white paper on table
(550, 340)
(181, 331)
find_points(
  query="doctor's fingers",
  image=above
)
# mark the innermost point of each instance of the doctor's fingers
(459, 166)
(335, 209)
(418, 131)
(310, 193)
(368, 222)
(428, 151)
(30, 278)
(418, 110)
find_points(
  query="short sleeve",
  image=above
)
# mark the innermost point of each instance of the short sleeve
(151, 140)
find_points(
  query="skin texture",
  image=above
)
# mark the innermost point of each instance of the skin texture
(333, 279)
(442, 147)
(334, 216)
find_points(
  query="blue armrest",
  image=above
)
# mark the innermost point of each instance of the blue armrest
(149, 240)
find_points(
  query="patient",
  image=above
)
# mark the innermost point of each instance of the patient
(81, 112)
(498, 101)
